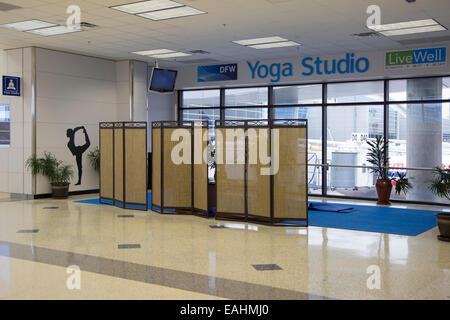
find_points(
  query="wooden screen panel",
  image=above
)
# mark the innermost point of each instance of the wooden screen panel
(136, 165)
(177, 177)
(106, 164)
(118, 164)
(156, 166)
(290, 183)
(200, 171)
(230, 177)
(258, 185)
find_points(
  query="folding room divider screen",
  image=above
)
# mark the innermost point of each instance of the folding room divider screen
(262, 171)
(179, 170)
(123, 164)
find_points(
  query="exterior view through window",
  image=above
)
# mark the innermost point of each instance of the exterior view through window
(414, 117)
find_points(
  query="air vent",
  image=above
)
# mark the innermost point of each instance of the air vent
(199, 52)
(87, 25)
(199, 61)
(8, 7)
(366, 34)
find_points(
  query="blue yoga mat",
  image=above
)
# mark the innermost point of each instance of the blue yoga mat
(108, 202)
(406, 222)
(328, 207)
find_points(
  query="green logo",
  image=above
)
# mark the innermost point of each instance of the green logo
(399, 58)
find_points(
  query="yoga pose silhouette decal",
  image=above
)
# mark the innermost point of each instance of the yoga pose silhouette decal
(78, 151)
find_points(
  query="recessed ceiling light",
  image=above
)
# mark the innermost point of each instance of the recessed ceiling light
(404, 25)
(275, 45)
(170, 55)
(27, 25)
(146, 6)
(413, 30)
(53, 31)
(171, 13)
(249, 42)
(153, 52)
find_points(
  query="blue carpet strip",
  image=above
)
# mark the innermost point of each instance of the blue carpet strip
(405, 222)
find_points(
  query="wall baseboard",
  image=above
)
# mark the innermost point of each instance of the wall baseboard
(71, 193)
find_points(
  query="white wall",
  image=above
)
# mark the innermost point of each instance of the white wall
(72, 90)
(14, 178)
(140, 90)
(161, 107)
(122, 69)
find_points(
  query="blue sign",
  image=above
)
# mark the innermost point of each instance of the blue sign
(221, 72)
(11, 86)
(275, 71)
(348, 64)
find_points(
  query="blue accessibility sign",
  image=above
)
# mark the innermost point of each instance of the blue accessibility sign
(11, 86)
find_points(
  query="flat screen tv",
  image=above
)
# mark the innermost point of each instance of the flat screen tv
(163, 80)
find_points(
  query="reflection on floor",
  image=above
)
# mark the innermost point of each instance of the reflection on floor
(182, 257)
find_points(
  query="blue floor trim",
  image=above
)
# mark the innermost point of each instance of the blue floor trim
(405, 222)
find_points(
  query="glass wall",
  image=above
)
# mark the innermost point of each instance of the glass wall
(314, 117)
(415, 118)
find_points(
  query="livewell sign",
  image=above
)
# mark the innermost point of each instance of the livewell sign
(430, 57)
(220, 72)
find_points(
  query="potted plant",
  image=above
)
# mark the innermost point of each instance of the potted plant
(94, 158)
(58, 173)
(377, 156)
(440, 186)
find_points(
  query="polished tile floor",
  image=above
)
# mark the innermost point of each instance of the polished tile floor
(150, 256)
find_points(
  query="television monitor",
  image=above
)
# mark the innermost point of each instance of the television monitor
(163, 80)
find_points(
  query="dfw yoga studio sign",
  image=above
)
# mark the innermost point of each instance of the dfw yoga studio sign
(11, 86)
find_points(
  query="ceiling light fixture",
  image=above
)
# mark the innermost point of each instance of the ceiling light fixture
(171, 13)
(162, 53)
(413, 30)
(158, 9)
(146, 6)
(153, 52)
(408, 27)
(267, 43)
(53, 31)
(249, 42)
(27, 25)
(275, 45)
(170, 55)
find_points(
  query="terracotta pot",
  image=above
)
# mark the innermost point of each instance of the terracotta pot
(60, 191)
(443, 220)
(384, 188)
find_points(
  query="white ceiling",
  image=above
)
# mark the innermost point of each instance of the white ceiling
(322, 26)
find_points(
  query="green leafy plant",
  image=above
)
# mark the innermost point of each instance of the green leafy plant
(402, 183)
(440, 184)
(94, 158)
(377, 156)
(58, 172)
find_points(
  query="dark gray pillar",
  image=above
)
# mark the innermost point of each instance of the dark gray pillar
(423, 135)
